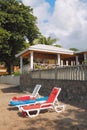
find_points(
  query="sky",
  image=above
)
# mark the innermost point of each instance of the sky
(65, 20)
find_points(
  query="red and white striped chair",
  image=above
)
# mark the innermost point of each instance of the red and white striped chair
(34, 95)
(52, 103)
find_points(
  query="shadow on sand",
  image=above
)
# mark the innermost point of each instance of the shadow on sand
(63, 121)
(11, 89)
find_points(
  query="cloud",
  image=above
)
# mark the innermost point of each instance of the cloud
(40, 9)
(68, 21)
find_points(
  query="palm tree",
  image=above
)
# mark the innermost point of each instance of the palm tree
(44, 40)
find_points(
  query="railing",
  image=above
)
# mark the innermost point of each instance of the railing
(37, 66)
(72, 73)
(60, 72)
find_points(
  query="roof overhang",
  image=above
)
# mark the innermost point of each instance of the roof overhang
(45, 49)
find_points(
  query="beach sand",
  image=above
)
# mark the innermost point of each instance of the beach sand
(73, 117)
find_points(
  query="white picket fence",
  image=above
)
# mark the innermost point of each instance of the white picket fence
(60, 73)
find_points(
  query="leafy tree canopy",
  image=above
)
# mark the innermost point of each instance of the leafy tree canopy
(17, 24)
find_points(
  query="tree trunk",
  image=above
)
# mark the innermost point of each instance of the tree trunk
(10, 68)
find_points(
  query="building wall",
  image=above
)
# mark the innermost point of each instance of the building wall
(73, 91)
(10, 79)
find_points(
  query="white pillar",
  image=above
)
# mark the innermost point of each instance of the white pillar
(67, 63)
(21, 64)
(77, 62)
(31, 60)
(71, 63)
(85, 56)
(61, 63)
(58, 59)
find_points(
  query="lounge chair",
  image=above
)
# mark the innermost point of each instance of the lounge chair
(34, 95)
(17, 103)
(52, 103)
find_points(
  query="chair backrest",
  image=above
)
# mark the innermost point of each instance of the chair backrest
(53, 95)
(36, 90)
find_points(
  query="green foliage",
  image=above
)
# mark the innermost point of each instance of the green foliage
(74, 49)
(17, 24)
(85, 62)
(58, 45)
(44, 40)
(16, 73)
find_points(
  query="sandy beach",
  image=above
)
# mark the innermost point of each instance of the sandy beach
(73, 118)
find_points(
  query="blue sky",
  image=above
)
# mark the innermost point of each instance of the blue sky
(83, 0)
(62, 19)
(52, 4)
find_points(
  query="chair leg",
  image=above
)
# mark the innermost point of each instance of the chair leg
(59, 108)
(33, 115)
